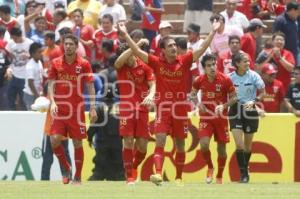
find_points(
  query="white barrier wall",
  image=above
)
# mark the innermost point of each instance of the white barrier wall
(21, 135)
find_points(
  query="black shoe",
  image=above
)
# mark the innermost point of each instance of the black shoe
(244, 179)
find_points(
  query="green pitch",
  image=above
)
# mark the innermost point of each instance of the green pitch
(119, 190)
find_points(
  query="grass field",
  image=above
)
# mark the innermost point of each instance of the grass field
(100, 190)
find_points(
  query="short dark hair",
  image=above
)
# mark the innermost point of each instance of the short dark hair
(72, 37)
(34, 47)
(137, 33)
(122, 48)
(5, 9)
(16, 31)
(95, 66)
(237, 58)
(61, 12)
(292, 6)
(78, 10)
(108, 45)
(279, 33)
(217, 17)
(39, 18)
(232, 37)
(206, 58)
(181, 42)
(162, 41)
(65, 30)
(50, 35)
(108, 16)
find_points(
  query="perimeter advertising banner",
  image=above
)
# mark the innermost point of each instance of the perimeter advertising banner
(276, 151)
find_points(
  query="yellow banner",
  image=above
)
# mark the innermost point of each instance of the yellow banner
(275, 157)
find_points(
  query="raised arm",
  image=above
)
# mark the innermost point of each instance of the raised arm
(134, 47)
(197, 54)
(122, 59)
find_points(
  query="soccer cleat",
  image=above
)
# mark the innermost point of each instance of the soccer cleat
(76, 181)
(134, 174)
(244, 179)
(130, 181)
(156, 179)
(67, 176)
(209, 176)
(219, 181)
(179, 182)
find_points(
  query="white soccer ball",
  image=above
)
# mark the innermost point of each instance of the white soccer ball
(41, 104)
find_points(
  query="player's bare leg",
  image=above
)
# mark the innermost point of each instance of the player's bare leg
(222, 156)
(139, 156)
(159, 158)
(204, 143)
(179, 160)
(78, 157)
(58, 150)
(128, 144)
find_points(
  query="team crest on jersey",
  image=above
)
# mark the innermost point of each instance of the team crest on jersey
(82, 130)
(78, 69)
(218, 87)
(275, 89)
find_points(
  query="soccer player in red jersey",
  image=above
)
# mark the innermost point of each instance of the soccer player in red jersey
(67, 76)
(217, 94)
(83, 32)
(137, 90)
(172, 72)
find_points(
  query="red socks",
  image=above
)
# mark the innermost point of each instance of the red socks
(79, 156)
(179, 163)
(60, 154)
(138, 158)
(221, 165)
(159, 159)
(207, 158)
(127, 161)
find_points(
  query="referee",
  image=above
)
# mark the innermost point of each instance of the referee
(243, 116)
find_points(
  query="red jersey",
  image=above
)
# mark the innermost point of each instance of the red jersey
(69, 85)
(86, 34)
(157, 17)
(171, 79)
(98, 37)
(244, 6)
(9, 25)
(248, 44)
(283, 75)
(274, 96)
(214, 93)
(224, 62)
(154, 48)
(133, 85)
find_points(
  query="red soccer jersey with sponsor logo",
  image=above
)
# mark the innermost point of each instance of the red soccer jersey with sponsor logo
(133, 85)
(248, 45)
(274, 96)
(69, 85)
(171, 79)
(283, 75)
(99, 36)
(224, 62)
(86, 34)
(214, 93)
(157, 17)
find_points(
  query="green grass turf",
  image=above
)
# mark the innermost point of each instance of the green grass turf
(100, 190)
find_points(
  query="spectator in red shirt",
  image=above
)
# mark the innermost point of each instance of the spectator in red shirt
(165, 29)
(280, 57)
(254, 8)
(6, 19)
(83, 32)
(248, 40)
(273, 100)
(150, 29)
(106, 31)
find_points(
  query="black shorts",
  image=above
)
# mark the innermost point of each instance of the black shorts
(246, 121)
